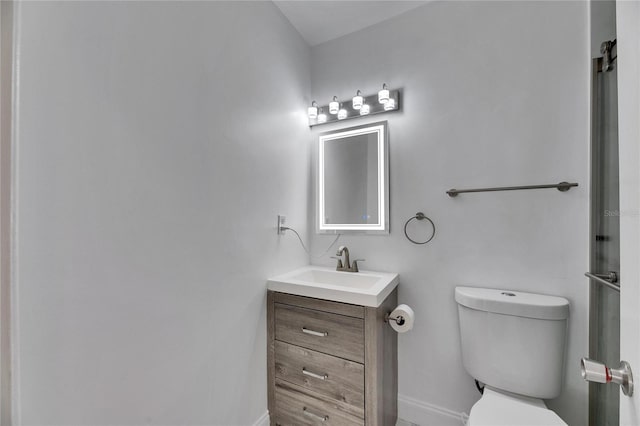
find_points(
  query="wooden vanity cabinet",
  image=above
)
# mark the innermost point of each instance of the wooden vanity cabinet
(330, 363)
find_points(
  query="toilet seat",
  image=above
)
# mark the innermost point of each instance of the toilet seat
(500, 409)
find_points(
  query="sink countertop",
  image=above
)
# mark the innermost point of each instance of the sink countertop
(367, 288)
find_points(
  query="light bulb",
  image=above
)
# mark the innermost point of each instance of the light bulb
(312, 111)
(334, 105)
(390, 104)
(342, 114)
(364, 110)
(322, 117)
(383, 95)
(357, 100)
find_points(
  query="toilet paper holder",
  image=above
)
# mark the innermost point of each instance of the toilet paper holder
(403, 317)
(399, 319)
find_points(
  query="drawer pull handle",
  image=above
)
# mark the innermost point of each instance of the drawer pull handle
(315, 333)
(314, 416)
(314, 375)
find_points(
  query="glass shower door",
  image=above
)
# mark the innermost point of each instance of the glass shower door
(604, 327)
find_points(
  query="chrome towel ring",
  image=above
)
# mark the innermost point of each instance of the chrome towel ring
(419, 216)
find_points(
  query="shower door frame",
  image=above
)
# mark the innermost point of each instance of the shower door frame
(595, 289)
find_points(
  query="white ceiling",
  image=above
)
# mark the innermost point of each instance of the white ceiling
(323, 20)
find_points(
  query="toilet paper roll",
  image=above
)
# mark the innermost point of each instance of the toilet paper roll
(404, 318)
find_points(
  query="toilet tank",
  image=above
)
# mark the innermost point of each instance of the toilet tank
(512, 340)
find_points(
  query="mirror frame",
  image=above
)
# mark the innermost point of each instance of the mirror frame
(382, 226)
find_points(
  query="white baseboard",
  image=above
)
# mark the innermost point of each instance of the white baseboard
(263, 420)
(411, 412)
(421, 413)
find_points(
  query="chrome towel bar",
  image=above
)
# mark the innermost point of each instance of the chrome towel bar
(562, 187)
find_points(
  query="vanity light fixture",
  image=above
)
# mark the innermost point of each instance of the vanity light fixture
(333, 106)
(390, 104)
(360, 105)
(322, 117)
(357, 100)
(342, 114)
(383, 95)
(312, 111)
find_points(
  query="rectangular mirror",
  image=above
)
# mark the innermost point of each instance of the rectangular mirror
(353, 180)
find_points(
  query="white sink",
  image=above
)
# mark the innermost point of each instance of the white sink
(365, 288)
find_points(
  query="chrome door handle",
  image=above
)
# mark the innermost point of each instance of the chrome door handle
(609, 279)
(314, 375)
(594, 371)
(315, 333)
(314, 416)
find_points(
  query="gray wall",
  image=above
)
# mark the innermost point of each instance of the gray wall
(6, 52)
(494, 94)
(157, 142)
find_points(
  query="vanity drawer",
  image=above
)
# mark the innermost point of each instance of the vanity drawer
(328, 333)
(295, 406)
(347, 309)
(334, 377)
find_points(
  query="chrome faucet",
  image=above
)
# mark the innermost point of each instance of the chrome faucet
(346, 266)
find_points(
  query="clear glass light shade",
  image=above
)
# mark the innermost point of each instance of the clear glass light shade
(364, 110)
(312, 111)
(390, 104)
(333, 107)
(322, 117)
(342, 114)
(383, 96)
(357, 102)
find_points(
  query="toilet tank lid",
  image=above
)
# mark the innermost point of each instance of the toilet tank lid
(517, 303)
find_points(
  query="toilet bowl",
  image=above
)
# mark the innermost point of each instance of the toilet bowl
(497, 408)
(514, 343)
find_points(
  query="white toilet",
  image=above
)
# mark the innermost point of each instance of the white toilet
(514, 343)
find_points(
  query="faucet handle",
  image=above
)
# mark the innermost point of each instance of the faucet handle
(354, 264)
(339, 262)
